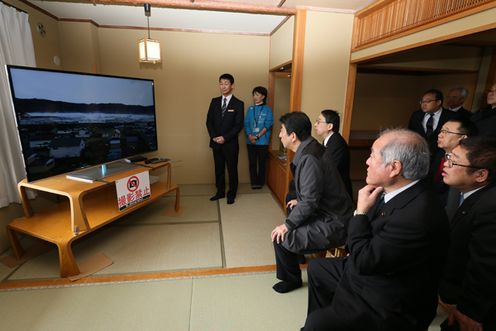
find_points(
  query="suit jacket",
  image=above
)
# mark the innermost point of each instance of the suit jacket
(485, 121)
(396, 257)
(337, 150)
(228, 125)
(465, 113)
(469, 278)
(320, 218)
(415, 124)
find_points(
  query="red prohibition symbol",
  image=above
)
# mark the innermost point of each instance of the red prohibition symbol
(132, 183)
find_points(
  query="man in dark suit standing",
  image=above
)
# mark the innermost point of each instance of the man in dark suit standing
(468, 282)
(485, 119)
(397, 241)
(319, 215)
(327, 126)
(455, 99)
(224, 122)
(428, 120)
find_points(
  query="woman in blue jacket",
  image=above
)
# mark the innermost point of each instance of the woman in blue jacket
(258, 123)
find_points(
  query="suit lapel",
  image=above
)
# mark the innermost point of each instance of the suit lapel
(401, 200)
(466, 206)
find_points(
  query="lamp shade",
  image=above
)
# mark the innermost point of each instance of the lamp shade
(149, 50)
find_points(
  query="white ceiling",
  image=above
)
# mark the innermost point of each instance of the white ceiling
(197, 20)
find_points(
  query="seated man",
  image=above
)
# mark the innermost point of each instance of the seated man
(398, 242)
(327, 126)
(470, 272)
(449, 136)
(319, 218)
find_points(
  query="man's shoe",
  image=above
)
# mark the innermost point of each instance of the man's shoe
(285, 287)
(230, 201)
(217, 197)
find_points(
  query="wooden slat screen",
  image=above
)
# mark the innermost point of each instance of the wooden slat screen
(388, 18)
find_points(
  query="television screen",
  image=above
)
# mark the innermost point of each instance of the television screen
(68, 120)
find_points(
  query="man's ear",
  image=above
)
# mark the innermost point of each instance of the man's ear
(293, 137)
(330, 126)
(481, 175)
(396, 168)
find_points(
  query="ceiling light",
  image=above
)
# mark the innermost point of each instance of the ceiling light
(149, 49)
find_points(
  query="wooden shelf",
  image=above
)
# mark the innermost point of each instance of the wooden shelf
(85, 208)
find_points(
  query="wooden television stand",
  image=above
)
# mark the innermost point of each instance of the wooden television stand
(88, 206)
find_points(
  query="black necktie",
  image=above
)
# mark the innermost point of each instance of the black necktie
(224, 106)
(378, 206)
(429, 126)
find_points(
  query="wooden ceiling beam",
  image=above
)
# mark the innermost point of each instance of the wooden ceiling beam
(203, 5)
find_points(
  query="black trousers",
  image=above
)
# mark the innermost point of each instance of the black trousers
(257, 161)
(226, 156)
(287, 264)
(334, 305)
(324, 276)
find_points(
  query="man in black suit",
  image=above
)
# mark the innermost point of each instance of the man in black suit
(485, 119)
(469, 279)
(448, 138)
(224, 122)
(319, 215)
(327, 126)
(455, 99)
(397, 241)
(428, 120)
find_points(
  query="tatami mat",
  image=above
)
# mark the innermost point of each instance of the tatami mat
(150, 306)
(193, 209)
(139, 249)
(209, 189)
(245, 303)
(246, 228)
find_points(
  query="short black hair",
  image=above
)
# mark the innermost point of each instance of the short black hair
(481, 153)
(331, 117)
(437, 94)
(262, 90)
(229, 77)
(297, 122)
(466, 126)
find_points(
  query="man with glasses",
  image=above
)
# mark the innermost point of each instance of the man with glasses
(448, 138)
(327, 126)
(468, 283)
(485, 119)
(428, 120)
(398, 240)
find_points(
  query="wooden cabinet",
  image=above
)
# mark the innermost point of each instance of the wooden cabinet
(278, 177)
(86, 207)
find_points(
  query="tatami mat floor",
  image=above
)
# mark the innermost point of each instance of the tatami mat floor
(203, 235)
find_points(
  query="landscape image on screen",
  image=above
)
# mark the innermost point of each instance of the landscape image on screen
(67, 121)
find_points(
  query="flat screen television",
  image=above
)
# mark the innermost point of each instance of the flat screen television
(69, 120)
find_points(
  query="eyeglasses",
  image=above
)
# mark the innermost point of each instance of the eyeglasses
(450, 162)
(443, 131)
(426, 101)
(317, 121)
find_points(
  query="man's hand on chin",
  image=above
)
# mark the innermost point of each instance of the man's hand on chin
(465, 322)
